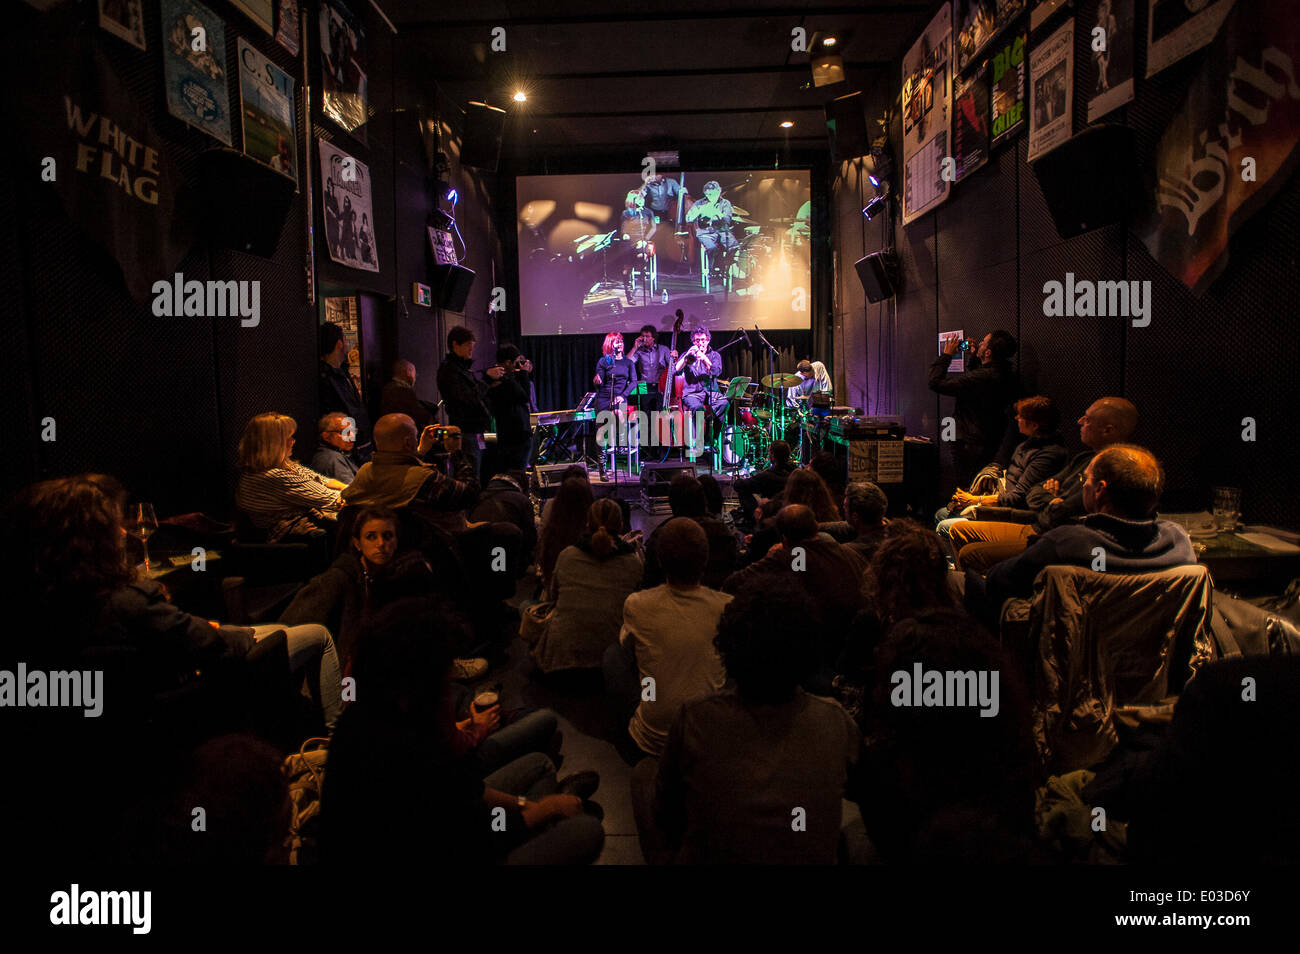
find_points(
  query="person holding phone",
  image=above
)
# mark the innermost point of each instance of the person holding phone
(464, 393)
(984, 394)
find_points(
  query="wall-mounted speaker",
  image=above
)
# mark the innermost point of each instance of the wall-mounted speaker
(481, 144)
(878, 273)
(847, 123)
(1090, 180)
(454, 282)
(244, 204)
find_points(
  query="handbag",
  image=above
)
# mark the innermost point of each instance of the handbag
(534, 621)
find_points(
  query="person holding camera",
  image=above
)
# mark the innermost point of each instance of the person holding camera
(984, 394)
(463, 393)
(508, 399)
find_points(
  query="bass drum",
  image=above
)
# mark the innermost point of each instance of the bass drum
(744, 445)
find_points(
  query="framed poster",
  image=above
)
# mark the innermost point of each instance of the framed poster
(1051, 91)
(124, 19)
(970, 124)
(288, 25)
(977, 22)
(266, 99)
(345, 96)
(1178, 27)
(1112, 44)
(1007, 73)
(259, 11)
(927, 106)
(349, 216)
(194, 67)
(345, 312)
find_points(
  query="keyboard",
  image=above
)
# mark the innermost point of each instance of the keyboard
(572, 415)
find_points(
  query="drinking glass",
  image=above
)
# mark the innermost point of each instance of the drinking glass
(142, 523)
(1226, 508)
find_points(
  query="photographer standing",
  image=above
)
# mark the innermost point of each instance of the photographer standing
(463, 393)
(983, 395)
(508, 398)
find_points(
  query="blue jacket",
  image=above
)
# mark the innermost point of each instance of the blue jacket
(1033, 462)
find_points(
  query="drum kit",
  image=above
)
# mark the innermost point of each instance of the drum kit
(759, 413)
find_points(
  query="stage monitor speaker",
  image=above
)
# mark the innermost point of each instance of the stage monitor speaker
(656, 477)
(243, 203)
(481, 144)
(454, 282)
(1090, 180)
(547, 478)
(847, 123)
(878, 273)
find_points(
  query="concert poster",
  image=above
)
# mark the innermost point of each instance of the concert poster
(124, 19)
(970, 124)
(260, 12)
(1051, 91)
(977, 22)
(1176, 28)
(346, 313)
(196, 78)
(266, 95)
(345, 93)
(288, 25)
(927, 105)
(349, 215)
(1112, 84)
(1007, 92)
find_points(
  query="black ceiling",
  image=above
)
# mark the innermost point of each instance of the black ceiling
(716, 75)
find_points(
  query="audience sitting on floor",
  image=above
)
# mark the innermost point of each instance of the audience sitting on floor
(665, 653)
(504, 499)
(754, 775)
(1036, 458)
(333, 457)
(280, 497)
(865, 505)
(592, 579)
(573, 471)
(686, 499)
(562, 525)
(979, 544)
(764, 483)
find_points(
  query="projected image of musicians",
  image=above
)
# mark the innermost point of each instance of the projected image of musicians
(665, 198)
(712, 217)
(637, 227)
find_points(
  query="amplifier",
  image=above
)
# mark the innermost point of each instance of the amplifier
(867, 428)
(655, 477)
(547, 478)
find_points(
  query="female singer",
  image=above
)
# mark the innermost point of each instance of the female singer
(615, 375)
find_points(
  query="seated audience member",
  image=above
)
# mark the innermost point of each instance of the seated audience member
(569, 510)
(907, 576)
(764, 483)
(979, 544)
(738, 764)
(505, 499)
(333, 456)
(713, 500)
(592, 580)
(1037, 457)
(805, 487)
(865, 505)
(373, 573)
(73, 533)
(398, 397)
(277, 494)
(398, 788)
(667, 637)
(766, 534)
(831, 470)
(686, 499)
(397, 477)
(829, 572)
(575, 471)
(1121, 491)
(948, 784)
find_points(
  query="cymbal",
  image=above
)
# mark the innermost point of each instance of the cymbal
(762, 413)
(780, 221)
(737, 210)
(783, 379)
(753, 229)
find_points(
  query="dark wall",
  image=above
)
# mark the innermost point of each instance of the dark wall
(161, 402)
(980, 260)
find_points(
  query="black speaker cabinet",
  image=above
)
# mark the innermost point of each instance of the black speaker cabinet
(1090, 180)
(878, 273)
(481, 145)
(454, 283)
(244, 204)
(848, 125)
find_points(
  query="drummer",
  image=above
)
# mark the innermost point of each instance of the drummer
(814, 380)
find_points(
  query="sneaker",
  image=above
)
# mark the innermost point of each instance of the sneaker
(467, 670)
(582, 784)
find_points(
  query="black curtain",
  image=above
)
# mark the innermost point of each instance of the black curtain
(563, 365)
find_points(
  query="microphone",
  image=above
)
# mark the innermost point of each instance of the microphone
(747, 338)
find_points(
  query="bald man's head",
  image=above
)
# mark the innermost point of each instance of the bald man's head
(403, 370)
(797, 523)
(1124, 480)
(396, 433)
(1109, 420)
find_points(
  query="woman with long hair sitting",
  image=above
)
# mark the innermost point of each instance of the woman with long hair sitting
(279, 496)
(564, 525)
(592, 578)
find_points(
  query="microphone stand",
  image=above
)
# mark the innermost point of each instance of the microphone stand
(772, 353)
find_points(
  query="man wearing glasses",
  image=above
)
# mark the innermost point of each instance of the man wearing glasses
(980, 544)
(333, 456)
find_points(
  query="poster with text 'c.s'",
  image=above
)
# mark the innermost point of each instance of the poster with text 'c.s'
(927, 115)
(266, 95)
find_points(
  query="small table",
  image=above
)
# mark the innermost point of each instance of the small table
(1232, 560)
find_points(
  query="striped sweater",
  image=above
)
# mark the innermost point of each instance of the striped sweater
(286, 501)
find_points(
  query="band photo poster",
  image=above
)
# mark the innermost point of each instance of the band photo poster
(266, 99)
(927, 114)
(1113, 63)
(349, 215)
(1051, 91)
(977, 22)
(1176, 28)
(1007, 92)
(196, 79)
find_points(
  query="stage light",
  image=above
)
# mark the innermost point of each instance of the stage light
(452, 196)
(874, 181)
(787, 124)
(874, 207)
(827, 66)
(829, 41)
(521, 96)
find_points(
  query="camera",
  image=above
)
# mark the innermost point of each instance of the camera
(965, 345)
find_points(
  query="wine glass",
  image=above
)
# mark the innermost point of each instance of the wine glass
(143, 524)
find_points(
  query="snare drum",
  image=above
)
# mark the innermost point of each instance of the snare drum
(746, 417)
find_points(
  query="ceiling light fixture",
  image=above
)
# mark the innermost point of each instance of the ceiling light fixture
(520, 96)
(787, 124)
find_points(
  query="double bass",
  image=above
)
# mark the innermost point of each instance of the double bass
(672, 395)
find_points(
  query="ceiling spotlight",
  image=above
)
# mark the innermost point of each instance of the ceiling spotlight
(787, 124)
(521, 96)
(829, 41)
(874, 181)
(827, 65)
(874, 207)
